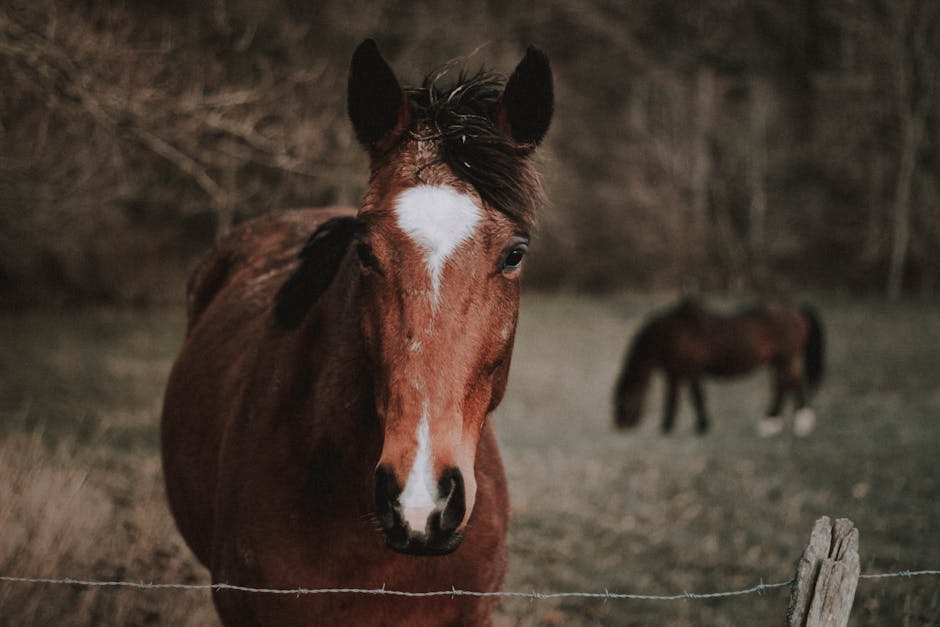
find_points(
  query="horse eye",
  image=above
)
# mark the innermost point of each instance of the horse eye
(513, 259)
(366, 257)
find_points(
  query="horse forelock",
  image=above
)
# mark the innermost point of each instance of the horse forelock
(453, 130)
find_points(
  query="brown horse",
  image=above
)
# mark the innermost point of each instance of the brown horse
(688, 342)
(326, 423)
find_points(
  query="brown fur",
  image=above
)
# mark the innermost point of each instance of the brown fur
(277, 492)
(687, 343)
(291, 415)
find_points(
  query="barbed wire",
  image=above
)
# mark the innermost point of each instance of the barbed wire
(901, 573)
(606, 594)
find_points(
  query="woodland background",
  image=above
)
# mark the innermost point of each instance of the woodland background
(729, 147)
(770, 145)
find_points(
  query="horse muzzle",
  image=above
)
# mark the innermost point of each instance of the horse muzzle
(431, 528)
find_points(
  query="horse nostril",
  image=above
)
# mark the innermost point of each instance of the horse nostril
(386, 494)
(451, 489)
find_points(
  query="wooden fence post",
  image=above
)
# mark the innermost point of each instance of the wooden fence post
(826, 576)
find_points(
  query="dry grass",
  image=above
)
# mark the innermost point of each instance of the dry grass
(81, 494)
(64, 516)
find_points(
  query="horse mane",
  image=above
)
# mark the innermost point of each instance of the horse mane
(320, 259)
(459, 116)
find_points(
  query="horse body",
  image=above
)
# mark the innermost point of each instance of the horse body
(694, 341)
(326, 424)
(281, 521)
(229, 298)
(688, 343)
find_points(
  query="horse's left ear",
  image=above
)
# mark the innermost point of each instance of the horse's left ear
(525, 110)
(377, 105)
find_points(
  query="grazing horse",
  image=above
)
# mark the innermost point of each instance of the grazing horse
(688, 342)
(326, 424)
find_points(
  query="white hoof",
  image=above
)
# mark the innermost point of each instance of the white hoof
(770, 426)
(804, 421)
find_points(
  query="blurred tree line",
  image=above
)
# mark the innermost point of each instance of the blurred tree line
(772, 144)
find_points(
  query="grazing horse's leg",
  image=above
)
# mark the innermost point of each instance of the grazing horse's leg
(772, 424)
(698, 399)
(804, 419)
(776, 404)
(669, 406)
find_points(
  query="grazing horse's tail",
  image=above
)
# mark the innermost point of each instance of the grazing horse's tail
(630, 392)
(814, 350)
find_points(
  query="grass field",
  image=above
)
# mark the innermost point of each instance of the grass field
(81, 493)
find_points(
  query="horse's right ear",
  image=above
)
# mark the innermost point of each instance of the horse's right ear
(525, 110)
(319, 262)
(378, 107)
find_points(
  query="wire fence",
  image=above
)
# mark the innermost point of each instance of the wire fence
(606, 594)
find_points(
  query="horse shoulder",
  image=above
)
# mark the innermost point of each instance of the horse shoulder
(258, 250)
(229, 298)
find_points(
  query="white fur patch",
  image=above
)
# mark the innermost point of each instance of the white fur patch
(418, 498)
(770, 426)
(804, 421)
(438, 219)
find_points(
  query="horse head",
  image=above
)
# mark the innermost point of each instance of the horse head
(440, 240)
(628, 408)
(631, 387)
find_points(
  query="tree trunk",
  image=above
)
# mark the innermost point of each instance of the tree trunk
(911, 134)
(701, 152)
(759, 104)
(700, 169)
(873, 245)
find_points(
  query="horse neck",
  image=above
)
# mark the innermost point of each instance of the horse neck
(640, 363)
(635, 374)
(331, 394)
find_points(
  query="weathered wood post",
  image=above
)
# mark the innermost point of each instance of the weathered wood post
(826, 576)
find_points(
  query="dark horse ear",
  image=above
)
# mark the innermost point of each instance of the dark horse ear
(319, 261)
(525, 110)
(378, 107)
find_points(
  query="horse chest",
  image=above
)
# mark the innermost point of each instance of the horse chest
(343, 550)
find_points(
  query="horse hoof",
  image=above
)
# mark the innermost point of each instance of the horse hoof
(770, 426)
(804, 421)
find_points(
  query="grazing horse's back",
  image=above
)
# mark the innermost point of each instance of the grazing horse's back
(229, 296)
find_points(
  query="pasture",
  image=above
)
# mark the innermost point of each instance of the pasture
(81, 492)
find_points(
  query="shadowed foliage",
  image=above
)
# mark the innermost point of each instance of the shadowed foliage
(776, 145)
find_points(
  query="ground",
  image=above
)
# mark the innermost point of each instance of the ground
(593, 509)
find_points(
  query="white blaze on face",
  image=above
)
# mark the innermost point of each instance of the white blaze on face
(438, 219)
(418, 498)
